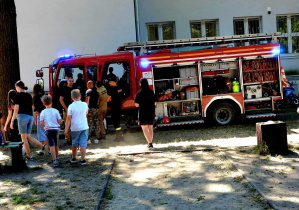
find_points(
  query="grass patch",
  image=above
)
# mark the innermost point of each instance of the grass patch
(200, 198)
(281, 172)
(279, 157)
(108, 194)
(36, 200)
(24, 182)
(8, 181)
(238, 179)
(18, 200)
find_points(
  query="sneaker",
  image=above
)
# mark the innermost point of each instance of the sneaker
(55, 163)
(150, 146)
(96, 141)
(29, 158)
(73, 160)
(49, 153)
(82, 162)
(88, 142)
(41, 152)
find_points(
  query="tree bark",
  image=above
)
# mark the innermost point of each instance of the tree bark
(9, 51)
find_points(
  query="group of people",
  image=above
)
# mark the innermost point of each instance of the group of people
(78, 114)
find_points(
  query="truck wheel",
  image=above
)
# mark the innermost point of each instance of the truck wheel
(224, 114)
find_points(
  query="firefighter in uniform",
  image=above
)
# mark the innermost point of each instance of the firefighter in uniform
(92, 98)
(102, 107)
(115, 104)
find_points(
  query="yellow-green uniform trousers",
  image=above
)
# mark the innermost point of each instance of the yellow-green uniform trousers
(93, 118)
(102, 109)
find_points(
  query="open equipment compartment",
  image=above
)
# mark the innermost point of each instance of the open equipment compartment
(177, 90)
(261, 83)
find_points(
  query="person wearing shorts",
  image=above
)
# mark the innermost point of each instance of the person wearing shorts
(24, 114)
(76, 121)
(145, 101)
(38, 108)
(50, 120)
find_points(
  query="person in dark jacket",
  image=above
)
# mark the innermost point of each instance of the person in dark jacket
(115, 107)
(145, 101)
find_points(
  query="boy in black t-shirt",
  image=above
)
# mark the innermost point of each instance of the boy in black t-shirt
(92, 100)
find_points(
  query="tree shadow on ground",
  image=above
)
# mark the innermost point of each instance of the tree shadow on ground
(68, 186)
(171, 181)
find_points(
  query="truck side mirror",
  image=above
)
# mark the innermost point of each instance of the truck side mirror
(40, 82)
(39, 73)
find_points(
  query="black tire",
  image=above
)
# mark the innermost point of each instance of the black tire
(295, 101)
(224, 114)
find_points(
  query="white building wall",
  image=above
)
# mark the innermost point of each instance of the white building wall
(48, 29)
(184, 11)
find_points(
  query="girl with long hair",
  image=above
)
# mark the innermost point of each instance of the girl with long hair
(145, 101)
(24, 114)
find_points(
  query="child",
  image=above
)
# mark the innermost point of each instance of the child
(50, 120)
(38, 108)
(77, 121)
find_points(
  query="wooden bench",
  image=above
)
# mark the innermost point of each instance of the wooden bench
(17, 161)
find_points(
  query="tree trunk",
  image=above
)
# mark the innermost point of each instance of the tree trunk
(9, 51)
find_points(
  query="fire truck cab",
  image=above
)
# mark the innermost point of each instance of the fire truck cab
(194, 80)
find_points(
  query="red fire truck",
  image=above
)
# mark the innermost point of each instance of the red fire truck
(218, 79)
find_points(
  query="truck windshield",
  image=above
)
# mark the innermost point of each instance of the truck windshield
(70, 71)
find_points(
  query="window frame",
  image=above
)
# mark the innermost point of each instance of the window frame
(160, 29)
(246, 25)
(203, 27)
(289, 33)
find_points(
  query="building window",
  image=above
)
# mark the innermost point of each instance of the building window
(247, 25)
(160, 31)
(288, 25)
(239, 27)
(204, 28)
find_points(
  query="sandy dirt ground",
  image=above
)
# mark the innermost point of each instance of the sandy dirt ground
(171, 180)
(168, 179)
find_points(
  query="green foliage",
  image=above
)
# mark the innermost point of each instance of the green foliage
(200, 198)
(108, 194)
(25, 182)
(18, 200)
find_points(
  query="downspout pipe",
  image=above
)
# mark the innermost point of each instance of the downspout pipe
(136, 14)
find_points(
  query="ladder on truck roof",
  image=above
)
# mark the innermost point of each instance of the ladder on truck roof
(165, 44)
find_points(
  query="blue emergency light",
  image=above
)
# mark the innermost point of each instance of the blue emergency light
(276, 51)
(65, 56)
(144, 63)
